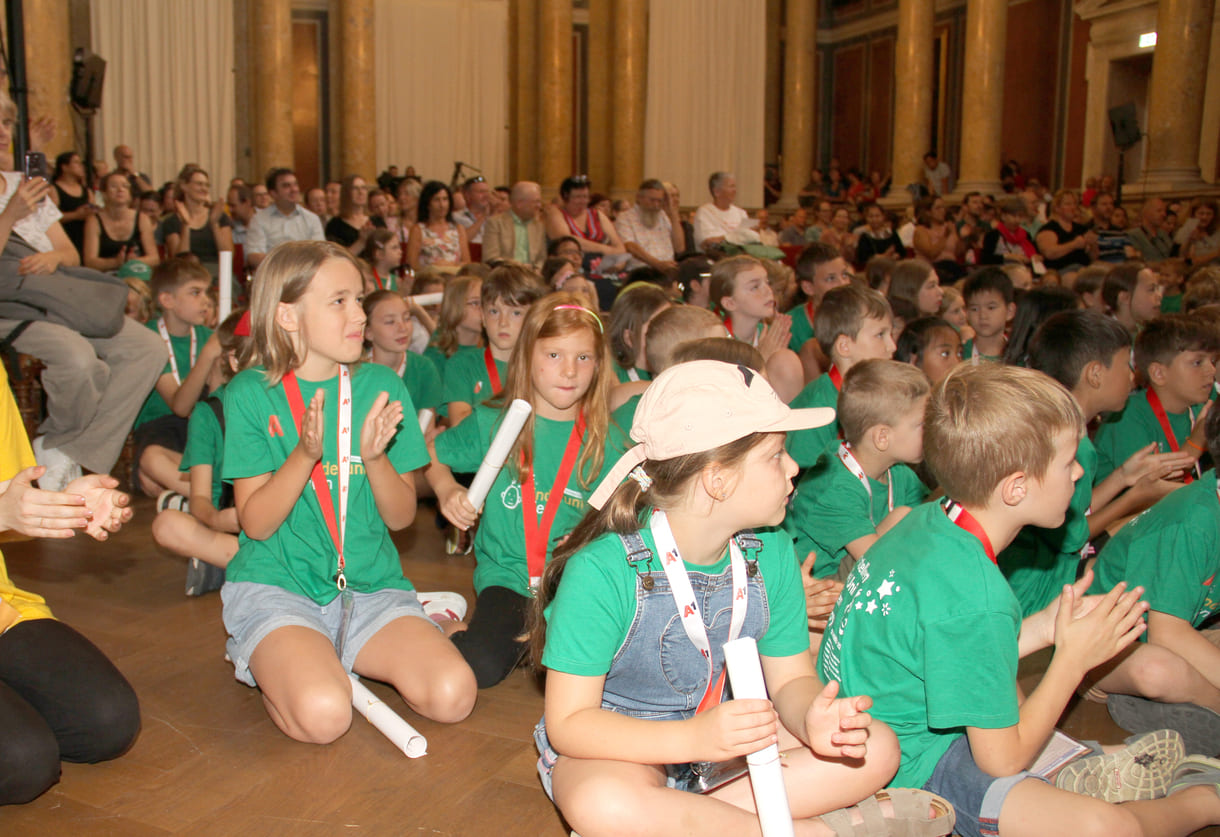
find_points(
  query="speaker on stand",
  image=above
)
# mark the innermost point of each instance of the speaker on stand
(1124, 125)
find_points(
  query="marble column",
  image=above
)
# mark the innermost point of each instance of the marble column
(523, 79)
(800, 98)
(48, 73)
(1175, 95)
(914, 82)
(357, 80)
(601, 103)
(775, 73)
(271, 22)
(555, 76)
(982, 95)
(630, 72)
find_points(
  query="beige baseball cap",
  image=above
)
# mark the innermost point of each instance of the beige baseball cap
(697, 406)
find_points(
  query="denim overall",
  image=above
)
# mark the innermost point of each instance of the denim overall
(658, 674)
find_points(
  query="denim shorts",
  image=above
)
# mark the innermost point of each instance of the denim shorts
(251, 611)
(976, 796)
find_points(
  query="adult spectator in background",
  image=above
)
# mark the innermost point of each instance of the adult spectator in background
(517, 234)
(240, 200)
(936, 238)
(651, 229)
(118, 232)
(1149, 238)
(351, 227)
(716, 220)
(1007, 241)
(878, 237)
(793, 233)
(198, 225)
(1113, 244)
(477, 192)
(315, 202)
(937, 175)
(575, 217)
(1199, 237)
(436, 240)
(71, 194)
(150, 205)
(284, 220)
(823, 215)
(1064, 242)
(840, 235)
(688, 229)
(125, 164)
(262, 196)
(500, 197)
(334, 196)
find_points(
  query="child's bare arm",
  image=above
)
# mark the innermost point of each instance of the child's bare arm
(265, 501)
(1180, 637)
(458, 410)
(202, 507)
(450, 496)
(185, 396)
(393, 493)
(827, 724)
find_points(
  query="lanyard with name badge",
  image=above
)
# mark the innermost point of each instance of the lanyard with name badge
(852, 465)
(537, 532)
(1158, 410)
(688, 607)
(965, 520)
(173, 361)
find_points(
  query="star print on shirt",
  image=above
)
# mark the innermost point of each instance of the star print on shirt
(886, 588)
(872, 605)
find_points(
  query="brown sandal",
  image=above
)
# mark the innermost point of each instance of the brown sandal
(909, 817)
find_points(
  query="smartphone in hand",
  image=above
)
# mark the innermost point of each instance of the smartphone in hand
(36, 165)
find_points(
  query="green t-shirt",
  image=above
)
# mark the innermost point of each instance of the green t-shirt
(927, 626)
(300, 556)
(423, 383)
(154, 405)
(802, 327)
(1173, 550)
(1040, 561)
(624, 375)
(625, 414)
(830, 509)
(805, 446)
(968, 352)
(1134, 427)
(1171, 304)
(466, 378)
(205, 444)
(439, 359)
(588, 620)
(499, 544)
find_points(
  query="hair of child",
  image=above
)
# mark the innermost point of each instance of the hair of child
(1165, 337)
(1089, 280)
(552, 266)
(553, 247)
(1032, 310)
(916, 336)
(453, 311)
(900, 309)
(674, 326)
(949, 296)
(906, 280)
(377, 241)
(645, 273)
(1122, 277)
(1177, 266)
(843, 312)
(556, 315)
(175, 272)
(1202, 288)
(724, 276)
(470, 269)
(692, 269)
(723, 349)
(240, 347)
(283, 277)
(878, 392)
(877, 270)
(986, 422)
(631, 309)
(990, 278)
(1069, 341)
(512, 283)
(144, 293)
(371, 301)
(1209, 317)
(622, 514)
(812, 257)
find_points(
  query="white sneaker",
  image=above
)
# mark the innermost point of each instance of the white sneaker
(443, 606)
(169, 499)
(61, 469)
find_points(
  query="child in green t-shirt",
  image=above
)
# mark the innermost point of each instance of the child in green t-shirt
(632, 615)
(473, 377)
(561, 366)
(931, 345)
(1133, 293)
(1174, 354)
(320, 458)
(180, 287)
(820, 268)
(627, 329)
(387, 335)
(853, 323)
(205, 530)
(741, 292)
(857, 492)
(928, 626)
(459, 324)
(988, 294)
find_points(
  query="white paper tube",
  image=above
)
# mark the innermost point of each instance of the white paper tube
(424, 300)
(425, 416)
(226, 283)
(493, 460)
(766, 773)
(404, 736)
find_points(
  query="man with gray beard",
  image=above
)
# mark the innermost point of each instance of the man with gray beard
(651, 229)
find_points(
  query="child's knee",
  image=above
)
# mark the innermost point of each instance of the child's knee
(884, 753)
(1107, 821)
(168, 528)
(319, 715)
(1158, 675)
(29, 764)
(590, 805)
(452, 696)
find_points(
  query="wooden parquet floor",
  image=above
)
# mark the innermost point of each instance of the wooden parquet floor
(210, 762)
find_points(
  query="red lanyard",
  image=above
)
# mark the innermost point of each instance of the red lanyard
(1158, 410)
(809, 312)
(338, 529)
(836, 378)
(377, 279)
(537, 533)
(493, 374)
(852, 464)
(964, 519)
(728, 325)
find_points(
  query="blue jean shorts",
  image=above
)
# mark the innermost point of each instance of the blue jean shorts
(251, 611)
(976, 796)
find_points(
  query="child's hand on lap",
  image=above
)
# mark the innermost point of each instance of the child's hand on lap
(820, 594)
(733, 728)
(313, 427)
(38, 513)
(838, 727)
(380, 425)
(109, 506)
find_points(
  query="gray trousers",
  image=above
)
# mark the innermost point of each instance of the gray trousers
(95, 387)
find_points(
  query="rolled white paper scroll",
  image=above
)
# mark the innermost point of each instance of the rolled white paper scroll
(766, 772)
(424, 300)
(493, 460)
(225, 278)
(425, 416)
(404, 736)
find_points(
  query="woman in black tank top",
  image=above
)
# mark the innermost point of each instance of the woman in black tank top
(118, 232)
(71, 196)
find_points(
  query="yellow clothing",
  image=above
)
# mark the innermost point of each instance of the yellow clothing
(15, 456)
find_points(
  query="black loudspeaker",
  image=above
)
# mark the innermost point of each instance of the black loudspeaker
(1125, 126)
(88, 73)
